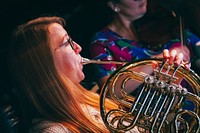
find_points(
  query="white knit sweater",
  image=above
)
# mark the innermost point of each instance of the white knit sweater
(44, 126)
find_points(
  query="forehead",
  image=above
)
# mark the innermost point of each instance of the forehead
(56, 28)
(56, 34)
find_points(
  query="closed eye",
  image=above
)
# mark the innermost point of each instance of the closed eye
(64, 44)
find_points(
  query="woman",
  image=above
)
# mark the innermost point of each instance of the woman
(47, 65)
(119, 40)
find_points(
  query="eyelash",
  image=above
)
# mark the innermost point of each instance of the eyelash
(64, 44)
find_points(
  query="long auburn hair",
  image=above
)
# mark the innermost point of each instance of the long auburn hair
(51, 94)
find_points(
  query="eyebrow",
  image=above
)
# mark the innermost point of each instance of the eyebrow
(66, 35)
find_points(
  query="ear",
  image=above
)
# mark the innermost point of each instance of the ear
(113, 6)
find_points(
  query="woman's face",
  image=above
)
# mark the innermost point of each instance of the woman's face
(134, 9)
(66, 58)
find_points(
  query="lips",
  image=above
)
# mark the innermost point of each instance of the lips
(81, 64)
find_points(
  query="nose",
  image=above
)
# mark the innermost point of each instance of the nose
(77, 48)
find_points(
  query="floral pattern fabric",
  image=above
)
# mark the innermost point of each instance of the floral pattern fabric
(108, 45)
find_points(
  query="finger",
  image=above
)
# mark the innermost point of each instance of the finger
(166, 54)
(187, 65)
(178, 59)
(173, 54)
(154, 64)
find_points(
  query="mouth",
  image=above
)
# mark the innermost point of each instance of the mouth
(81, 63)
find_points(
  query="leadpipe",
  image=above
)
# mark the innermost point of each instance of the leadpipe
(88, 61)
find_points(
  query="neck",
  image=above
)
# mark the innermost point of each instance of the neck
(124, 28)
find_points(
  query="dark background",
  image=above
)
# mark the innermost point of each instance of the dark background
(83, 17)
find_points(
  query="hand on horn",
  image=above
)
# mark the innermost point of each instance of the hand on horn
(173, 57)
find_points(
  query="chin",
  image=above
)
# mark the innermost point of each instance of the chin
(144, 11)
(140, 16)
(82, 76)
(78, 78)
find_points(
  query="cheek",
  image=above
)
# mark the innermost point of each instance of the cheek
(129, 9)
(66, 63)
(66, 67)
(63, 62)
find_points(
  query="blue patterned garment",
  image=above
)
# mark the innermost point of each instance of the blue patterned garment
(107, 45)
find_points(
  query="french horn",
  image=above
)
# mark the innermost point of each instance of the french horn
(158, 105)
